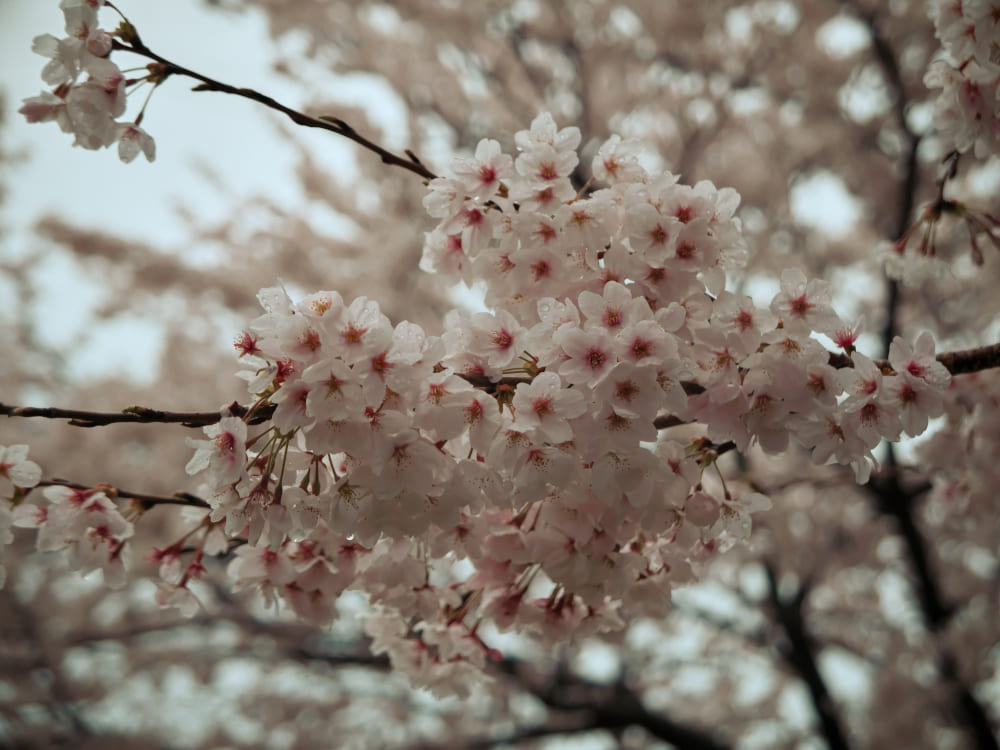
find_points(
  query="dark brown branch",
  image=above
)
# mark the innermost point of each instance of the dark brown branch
(975, 719)
(957, 363)
(887, 60)
(895, 501)
(512, 739)
(137, 414)
(332, 124)
(611, 707)
(798, 650)
(146, 501)
(69, 727)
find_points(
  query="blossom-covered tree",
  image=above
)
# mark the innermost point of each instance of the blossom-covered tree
(662, 447)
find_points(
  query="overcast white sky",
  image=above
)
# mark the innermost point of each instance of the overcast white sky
(93, 187)
(236, 138)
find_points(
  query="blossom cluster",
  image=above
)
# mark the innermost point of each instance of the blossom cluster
(17, 474)
(967, 110)
(85, 524)
(518, 469)
(89, 94)
(518, 472)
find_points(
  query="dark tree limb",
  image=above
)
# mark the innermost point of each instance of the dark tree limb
(961, 362)
(798, 651)
(887, 60)
(893, 501)
(957, 363)
(898, 502)
(610, 707)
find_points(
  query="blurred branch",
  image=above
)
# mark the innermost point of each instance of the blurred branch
(798, 651)
(976, 720)
(146, 501)
(511, 739)
(590, 707)
(754, 637)
(610, 707)
(887, 60)
(896, 501)
(69, 727)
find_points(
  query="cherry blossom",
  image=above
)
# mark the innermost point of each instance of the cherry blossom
(89, 108)
(224, 455)
(481, 175)
(527, 441)
(967, 109)
(801, 305)
(17, 469)
(86, 525)
(544, 406)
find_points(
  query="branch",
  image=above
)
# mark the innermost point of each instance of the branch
(46, 657)
(887, 60)
(512, 739)
(798, 653)
(754, 637)
(957, 363)
(332, 124)
(895, 501)
(608, 707)
(146, 501)
(137, 414)
(976, 720)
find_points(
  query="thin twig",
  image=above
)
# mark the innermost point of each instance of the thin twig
(332, 124)
(146, 501)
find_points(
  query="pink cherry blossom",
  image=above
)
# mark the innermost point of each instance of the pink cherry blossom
(544, 406)
(481, 175)
(16, 468)
(224, 455)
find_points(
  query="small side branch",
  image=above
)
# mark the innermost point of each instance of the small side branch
(333, 124)
(146, 501)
